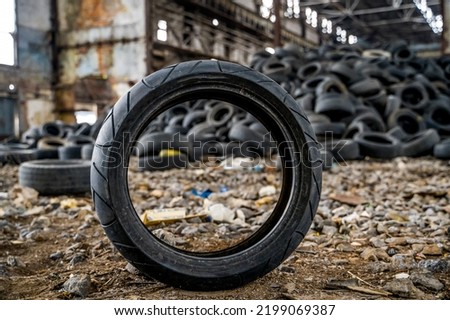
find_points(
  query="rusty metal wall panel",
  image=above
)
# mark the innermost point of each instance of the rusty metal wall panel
(101, 38)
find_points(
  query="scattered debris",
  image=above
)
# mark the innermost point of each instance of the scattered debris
(351, 199)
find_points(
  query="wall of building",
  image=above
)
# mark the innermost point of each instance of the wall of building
(32, 76)
(80, 55)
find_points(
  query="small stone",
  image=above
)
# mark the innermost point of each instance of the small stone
(3, 270)
(377, 242)
(78, 285)
(345, 247)
(402, 275)
(397, 241)
(79, 237)
(267, 191)
(329, 230)
(157, 193)
(264, 200)
(351, 199)
(287, 269)
(69, 204)
(432, 250)
(417, 247)
(219, 212)
(391, 252)
(132, 269)
(189, 230)
(438, 265)
(426, 280)
(40, 223)
(340, 262)
(402, 262)
(4, 196)
(375, 254)
(34, 211)
(56, 255)
(36, 235)
(403, 288)
(77, 258)
(289, 287)
(13, 261)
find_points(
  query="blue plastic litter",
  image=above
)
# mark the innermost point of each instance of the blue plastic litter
(203, 194)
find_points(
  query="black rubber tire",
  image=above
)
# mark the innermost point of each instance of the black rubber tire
(372, 119)
(306, 101)
(337, 129)
(393, 104)
(176, 120)
(86, 151)
(82, 129)
(310, 85)
(266, 248)
(331, 85)
(378, 145)
(398, 133)
(276, 69)
(317, 118)
(76, 140)
(366, 87)
(334, 105)
(56, 177)
(14, 146)
(157, 163)
(442, 149)
(195, 117)
(151, 144)
(408, 120)
(437, 116)
(414, 96)
(310, 70)
(52, 129)
(51, 143)
(420, 144)
(343, 150)
(344, 72)
(47, 154)
(69, 152)
(17, 156)
(354, 128)
(220, 114)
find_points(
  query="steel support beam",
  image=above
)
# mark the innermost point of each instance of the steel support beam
(446, 33)
(395, 21)
(361, 12)
(149, 23)
(277, 24)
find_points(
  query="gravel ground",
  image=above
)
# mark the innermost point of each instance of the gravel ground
(381, 232)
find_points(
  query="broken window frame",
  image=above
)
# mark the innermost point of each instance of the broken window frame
(13, 35)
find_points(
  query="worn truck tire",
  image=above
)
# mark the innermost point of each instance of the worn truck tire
(17, 156)
(53, 177)
(267, 247)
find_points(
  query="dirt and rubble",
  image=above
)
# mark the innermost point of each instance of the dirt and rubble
(382, 231)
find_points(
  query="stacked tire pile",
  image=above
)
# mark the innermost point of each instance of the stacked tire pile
(53, 140)
(53, 158)
(376, 103)
(191, 131)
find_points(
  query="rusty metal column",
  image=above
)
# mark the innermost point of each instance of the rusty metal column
(277, 24)
(149, 13)
(446, 33)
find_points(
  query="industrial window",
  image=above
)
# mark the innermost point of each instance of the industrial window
(8, 32)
